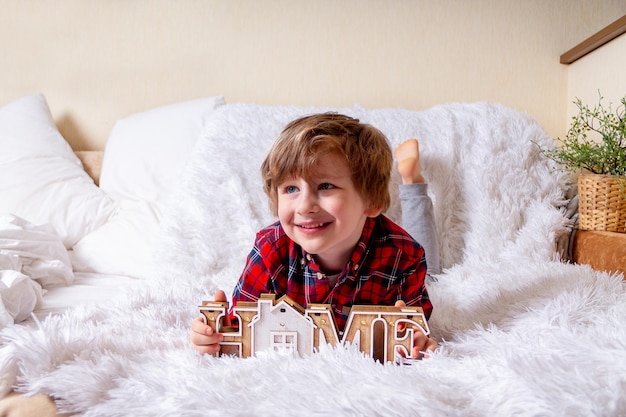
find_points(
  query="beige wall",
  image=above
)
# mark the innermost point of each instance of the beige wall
(100, 60)
(602, 71)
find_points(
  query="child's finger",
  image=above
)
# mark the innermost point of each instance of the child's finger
(220, 295)
(400, 304)
(198, 326)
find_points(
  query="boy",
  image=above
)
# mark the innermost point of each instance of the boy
(327, 179)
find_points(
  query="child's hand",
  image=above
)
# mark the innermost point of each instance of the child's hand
(421, 342)
(202, 337)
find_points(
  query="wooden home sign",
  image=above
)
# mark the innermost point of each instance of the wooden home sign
(273, 324)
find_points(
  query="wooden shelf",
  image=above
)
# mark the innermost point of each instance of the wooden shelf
(595, 41)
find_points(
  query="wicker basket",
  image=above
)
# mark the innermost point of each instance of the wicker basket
(602, 203)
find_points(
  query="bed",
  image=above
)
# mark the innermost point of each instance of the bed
(124, 260)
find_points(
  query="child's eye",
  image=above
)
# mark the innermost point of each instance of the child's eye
(289, 189)
(326, 186)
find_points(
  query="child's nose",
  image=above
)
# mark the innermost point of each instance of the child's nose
(307, 203)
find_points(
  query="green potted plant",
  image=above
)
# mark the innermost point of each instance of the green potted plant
(595, 149)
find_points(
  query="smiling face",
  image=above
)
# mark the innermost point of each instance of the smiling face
(324, 175)
(324, 213)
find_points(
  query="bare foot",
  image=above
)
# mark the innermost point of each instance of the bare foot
(40, 405)
(408, 156)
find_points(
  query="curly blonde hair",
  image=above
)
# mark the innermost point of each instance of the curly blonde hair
(297, 150)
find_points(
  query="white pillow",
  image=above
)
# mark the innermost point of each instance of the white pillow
(41, 179)
(123, 245)
(146, 152)
(143, 160)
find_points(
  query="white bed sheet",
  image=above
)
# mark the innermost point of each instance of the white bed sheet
(87, 288)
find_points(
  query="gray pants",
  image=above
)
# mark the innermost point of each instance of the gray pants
(418, 219)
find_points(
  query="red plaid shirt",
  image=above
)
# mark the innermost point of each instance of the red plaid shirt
(386, 265)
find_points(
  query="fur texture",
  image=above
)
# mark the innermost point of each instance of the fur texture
(520, 332)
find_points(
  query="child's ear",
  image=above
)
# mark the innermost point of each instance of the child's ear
(372, 211)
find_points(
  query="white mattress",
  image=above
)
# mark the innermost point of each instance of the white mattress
(86, 288)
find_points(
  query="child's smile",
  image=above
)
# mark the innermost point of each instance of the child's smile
(312, 227)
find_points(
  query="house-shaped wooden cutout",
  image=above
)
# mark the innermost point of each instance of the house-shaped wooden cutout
(284, 325)
(281, 325)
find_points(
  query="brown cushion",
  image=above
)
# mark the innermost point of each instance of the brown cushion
(604, 251)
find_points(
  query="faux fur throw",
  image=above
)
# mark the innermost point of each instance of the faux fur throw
(520, 332)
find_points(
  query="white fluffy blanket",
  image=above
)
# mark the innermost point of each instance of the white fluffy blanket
(520, 332)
